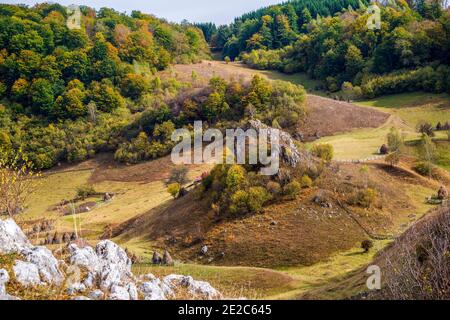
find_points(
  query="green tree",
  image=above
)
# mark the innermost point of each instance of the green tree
(323, 151)
(174, 189)
(394, 140)
(42, 96)
(105, 97)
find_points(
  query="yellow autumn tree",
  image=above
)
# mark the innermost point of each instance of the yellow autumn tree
(16, 181)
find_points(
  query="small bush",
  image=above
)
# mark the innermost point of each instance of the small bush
(174, 189)
(364, 198)
(292, 189)
(306, 181)
(323, 151)
(274, 188)
(423, 168)
(238, 203)
(251, 201)
(178, 175)
(257, 196)
(367, 245)
(393, 158)
(85, 191)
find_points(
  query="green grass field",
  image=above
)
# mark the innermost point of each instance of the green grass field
(407, 111)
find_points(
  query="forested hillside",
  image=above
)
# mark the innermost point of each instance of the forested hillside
(411, 50)
(64, 92)
(272, 27)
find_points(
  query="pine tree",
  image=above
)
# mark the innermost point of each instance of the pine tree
(305, 18)
(283, 34)
(266, 32)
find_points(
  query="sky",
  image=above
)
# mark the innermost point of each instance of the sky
(217, 11)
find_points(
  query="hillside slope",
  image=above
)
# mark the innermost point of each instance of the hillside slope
(299, 232)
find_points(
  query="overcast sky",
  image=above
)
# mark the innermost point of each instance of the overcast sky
(218, 11)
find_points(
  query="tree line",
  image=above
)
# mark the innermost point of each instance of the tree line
(411, 50)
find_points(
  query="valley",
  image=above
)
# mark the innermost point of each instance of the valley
(354, 112)
(300, 255)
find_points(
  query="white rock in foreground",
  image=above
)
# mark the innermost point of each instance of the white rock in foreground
(119, 293)
(4, 278)
(84, 257)
(76, 288)
(152, 291)
(199, 289)
(12, 239)
(96, 295)
(47, 264)
(109, 269)
(27, 273)
(115, 265)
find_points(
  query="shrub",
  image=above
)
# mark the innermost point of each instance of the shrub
(323, 151)
(257, 196)
(250, 201)
(364, 198)
(235, 177)
(227, 60)
(174, 189)
(367, 245)
(306, 181)
(178, 175)
(292, 189)
(238, 202)
(395, 139)
(423, 168)
(85, 191)
(274, 188)
(393, 158)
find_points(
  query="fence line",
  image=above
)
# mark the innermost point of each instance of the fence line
(374, 158)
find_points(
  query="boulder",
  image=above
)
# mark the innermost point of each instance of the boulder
(109, 252)
(27, 274)
(198, 289)
(76, 288)
(12, 238)
(116, 266)
(8, 297)
(89, 281)
(119, 293)
(96, 295)
(132, 290)
(4, 278)
(80, 298)
(203, 290)
(47, 264)
(151, 290)
(85, 257)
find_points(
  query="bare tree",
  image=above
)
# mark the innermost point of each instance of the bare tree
(16, 181)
